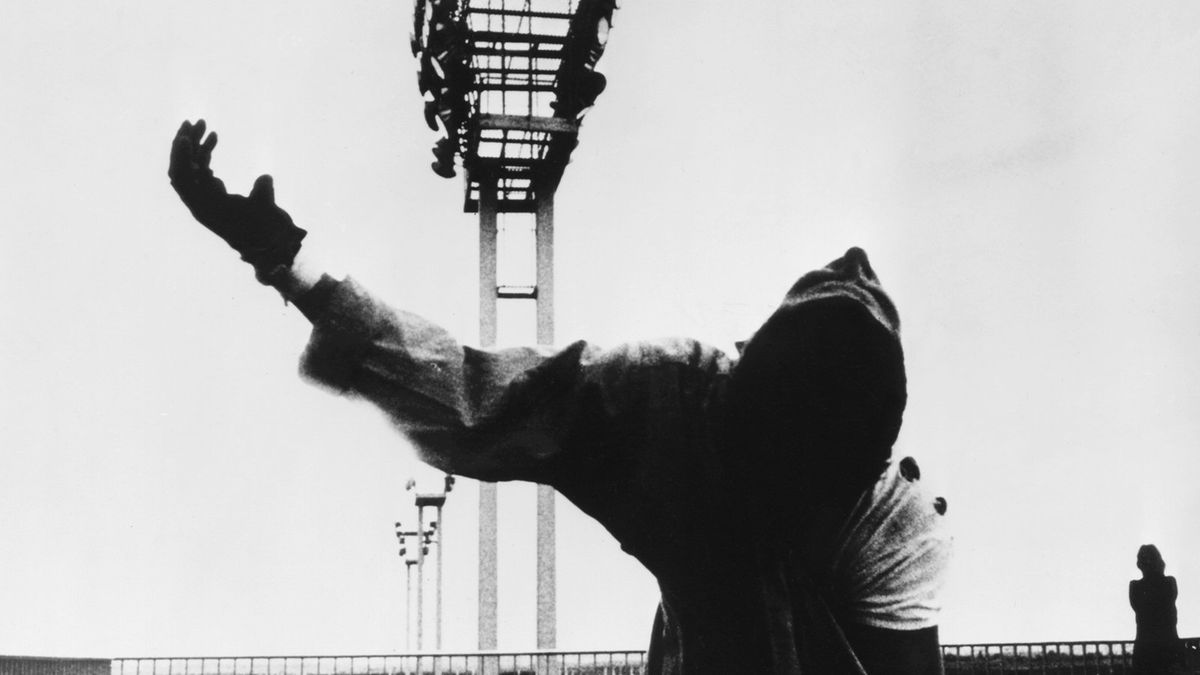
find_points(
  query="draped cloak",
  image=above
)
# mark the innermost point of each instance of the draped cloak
(654, 441)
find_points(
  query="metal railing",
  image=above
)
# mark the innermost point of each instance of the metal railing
(39, 665)
(1049, 658)
(473, 663)
(1103, 657)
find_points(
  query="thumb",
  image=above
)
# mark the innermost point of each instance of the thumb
(263, 191)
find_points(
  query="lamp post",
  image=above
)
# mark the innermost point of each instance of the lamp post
(427, 534)
(436, 528)
(424, 536)
(402, 536)
(408, 565)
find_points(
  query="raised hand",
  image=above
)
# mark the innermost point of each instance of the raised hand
(253, 225)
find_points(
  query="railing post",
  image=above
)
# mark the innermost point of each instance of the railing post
(490, 665)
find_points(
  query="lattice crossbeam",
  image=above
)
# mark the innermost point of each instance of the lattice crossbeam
(507, 82)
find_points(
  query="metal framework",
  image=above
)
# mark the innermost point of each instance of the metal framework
(506, 84)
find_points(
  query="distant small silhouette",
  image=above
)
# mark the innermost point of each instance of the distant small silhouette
(1156, 649)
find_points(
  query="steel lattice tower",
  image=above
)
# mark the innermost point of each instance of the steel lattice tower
(507, 83)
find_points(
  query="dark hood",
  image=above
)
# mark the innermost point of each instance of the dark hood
(817, 397)
(850, 277)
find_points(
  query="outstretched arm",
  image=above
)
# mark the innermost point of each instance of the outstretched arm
(486, 414)
(476, 413)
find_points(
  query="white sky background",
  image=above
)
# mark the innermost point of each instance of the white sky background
(1024, 176)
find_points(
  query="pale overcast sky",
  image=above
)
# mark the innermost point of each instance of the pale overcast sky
(1024, 176)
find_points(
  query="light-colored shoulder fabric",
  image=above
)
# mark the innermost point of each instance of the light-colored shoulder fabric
(890, 558)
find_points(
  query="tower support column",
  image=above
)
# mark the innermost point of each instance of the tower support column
(487, 491)
(546, 582)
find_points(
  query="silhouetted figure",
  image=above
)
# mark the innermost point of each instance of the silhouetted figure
(1156, 648)
(672, 445)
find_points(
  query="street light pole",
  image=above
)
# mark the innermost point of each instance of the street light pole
(422, 549)
(402, 537)
(448, 485)
(427, 535)
(441, 532)
(408, 565)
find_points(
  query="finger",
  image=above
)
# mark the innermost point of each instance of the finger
(263, 191)
(198, 131)
(204, 152)
(181, 157)
(181, 145)
(185, 129)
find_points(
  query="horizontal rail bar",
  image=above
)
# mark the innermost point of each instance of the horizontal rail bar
(514, 86)
(518, 12)
(556, 125)
(520, 38)
(537, 53)
(293, 657)
(517, 71)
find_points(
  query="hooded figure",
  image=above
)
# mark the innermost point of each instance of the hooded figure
(667, 443)
(671, 445)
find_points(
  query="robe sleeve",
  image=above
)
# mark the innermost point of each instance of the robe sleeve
(486, 414)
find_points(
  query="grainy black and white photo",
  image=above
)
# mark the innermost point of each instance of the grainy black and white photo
(377, 337)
